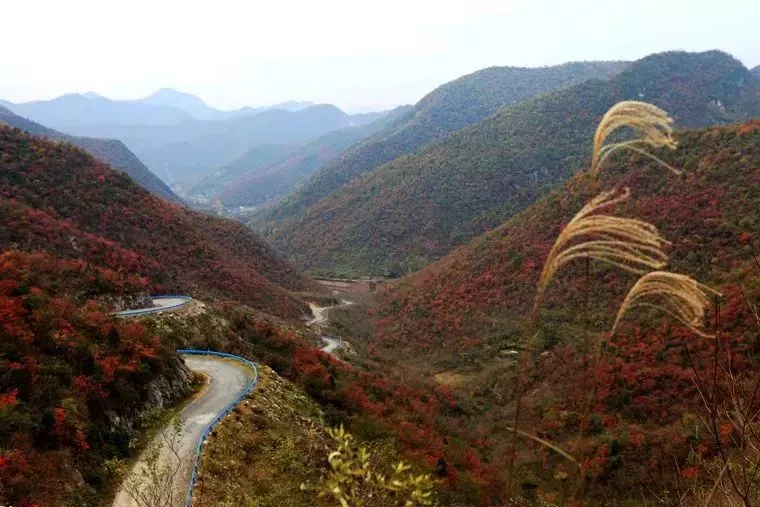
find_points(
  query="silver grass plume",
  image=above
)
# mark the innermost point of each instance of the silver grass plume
(630, 244)
(679, 296)
(652, 126)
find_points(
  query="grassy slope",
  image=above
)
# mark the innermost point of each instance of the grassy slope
(417, 208)
(57, 198)
(446, 109)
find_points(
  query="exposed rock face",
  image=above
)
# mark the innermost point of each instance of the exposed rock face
(168, 388)
(127, 302)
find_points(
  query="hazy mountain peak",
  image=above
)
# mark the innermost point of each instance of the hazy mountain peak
(185, 101)
(93, 95)
(293, 105)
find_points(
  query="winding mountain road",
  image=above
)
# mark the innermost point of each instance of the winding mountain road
(160, 304)
(226, 380)
(320, 317)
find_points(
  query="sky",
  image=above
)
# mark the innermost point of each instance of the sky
(358, 55)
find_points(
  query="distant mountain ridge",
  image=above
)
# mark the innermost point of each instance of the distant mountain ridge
(756, 71)
(448, 108)
(254, 161)
(76, 110)
(179, 136)
(220, 143)
(111, 151)
(259, 187)
(417, 208)
(163, 107)
(199, 109)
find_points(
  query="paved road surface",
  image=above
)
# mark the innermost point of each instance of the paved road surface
(320, 316)
(332, 344)
(169, 301)
(160, 304)
(226, 380)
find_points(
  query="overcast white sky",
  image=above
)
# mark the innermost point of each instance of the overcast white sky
(356, 54)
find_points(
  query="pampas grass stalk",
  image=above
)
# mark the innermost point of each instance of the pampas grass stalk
(652, 126)
(680, 296)
(630, 244)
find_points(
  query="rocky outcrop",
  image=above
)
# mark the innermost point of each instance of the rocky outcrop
(166, 389)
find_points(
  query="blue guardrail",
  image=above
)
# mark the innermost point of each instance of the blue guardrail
(218, 419)
(155, 309)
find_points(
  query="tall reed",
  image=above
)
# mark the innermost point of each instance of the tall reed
(630, 244)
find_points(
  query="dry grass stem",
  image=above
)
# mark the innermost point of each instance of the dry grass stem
(651, 125)
(546, 444)
(679, 296)
(630, 244)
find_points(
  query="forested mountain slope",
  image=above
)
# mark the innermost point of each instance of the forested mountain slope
(74, 381)
(756, 71)
(463, 318)
(446, 109)
(109, 150)
(258, 187)
(252, 163)
(417, 208)
(57, 198)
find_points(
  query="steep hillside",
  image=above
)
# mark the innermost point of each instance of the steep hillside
(109, 150)
(462, 319)
(259, 187)
(417, 208)
(756, 71)
(74, 381)
(57, 198)
(252, 163)
(181, 152)
(74, 110)
(446, 109)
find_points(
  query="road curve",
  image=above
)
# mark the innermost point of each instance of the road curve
(320, 316)
(227, 379)
(332, 344)
(160, 304)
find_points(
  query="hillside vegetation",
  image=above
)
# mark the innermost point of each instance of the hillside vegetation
(252, 163)
(57, 198)
(446, 109)
(255, 188)
(110, 151)
(415, 209)
(73, 380)
(462, 320)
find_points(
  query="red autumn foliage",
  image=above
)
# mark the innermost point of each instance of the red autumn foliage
(60, 376)
(57, 198)
(646, 391)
